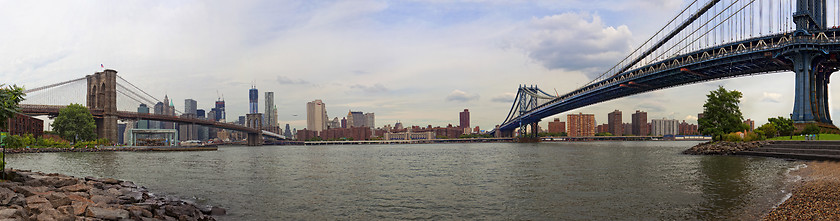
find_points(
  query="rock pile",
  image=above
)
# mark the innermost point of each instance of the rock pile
(723, 147)
(37, 196)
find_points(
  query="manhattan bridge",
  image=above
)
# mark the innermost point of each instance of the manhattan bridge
(707, 41)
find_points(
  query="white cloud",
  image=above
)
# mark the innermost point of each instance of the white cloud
(461, 96)
(771, 97)
(576, 41)
(504, 98)
(690, 117)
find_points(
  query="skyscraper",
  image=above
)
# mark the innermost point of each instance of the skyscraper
(316, 115)
(253, 96)
(639, 122)
(219, 109)
(614, 123)
(190, 107)
(465, 118)
(143, 124)
(287, 132)
(160, 108)
(370, 120)
(270, 120)
(355, 119)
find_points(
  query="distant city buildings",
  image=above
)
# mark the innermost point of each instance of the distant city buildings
(355, 119)
(143, 124)
(270, 110)
(464, 118)
(253, 99)
(640, 125)
(556, 126)
(190, 107)
(688, 129)
(614, 123)
(219, 110)
(662, 127)
(750, 124)
(581, 125)
(316, 116)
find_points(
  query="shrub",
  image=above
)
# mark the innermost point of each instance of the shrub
(732, 137)
(752, 136)
(811, 129)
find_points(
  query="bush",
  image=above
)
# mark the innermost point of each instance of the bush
(752, 136)
(732, 137)
(811, 129)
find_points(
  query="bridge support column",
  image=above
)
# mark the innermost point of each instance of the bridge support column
(812, 77)
(254, 121)
(102, 95)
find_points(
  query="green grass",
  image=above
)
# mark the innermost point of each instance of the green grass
(820, 137)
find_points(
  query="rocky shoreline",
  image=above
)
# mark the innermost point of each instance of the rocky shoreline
(723, 147)
(27, 195)
(815, 197)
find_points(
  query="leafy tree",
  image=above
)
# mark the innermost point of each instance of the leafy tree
(783, 125)
(75, 123)
(604, 134)
(768, 130)
(10, 97)
(721, 114)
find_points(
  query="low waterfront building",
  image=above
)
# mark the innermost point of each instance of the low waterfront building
(428, 135)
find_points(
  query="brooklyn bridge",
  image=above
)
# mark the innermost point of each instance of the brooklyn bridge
(110, 98)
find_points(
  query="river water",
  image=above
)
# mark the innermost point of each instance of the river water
(571, 181)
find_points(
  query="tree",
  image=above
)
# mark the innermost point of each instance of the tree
(604, 134)
(75, 123)
(768, 130)
(721, 114)
(783, 125)
(10, 98)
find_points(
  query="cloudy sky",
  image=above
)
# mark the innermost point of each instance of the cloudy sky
(415, 61)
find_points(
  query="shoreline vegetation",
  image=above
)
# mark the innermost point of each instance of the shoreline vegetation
(26, 195)
(723, 147)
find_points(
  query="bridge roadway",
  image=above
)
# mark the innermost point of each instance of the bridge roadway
(53, 110)
(759, 55)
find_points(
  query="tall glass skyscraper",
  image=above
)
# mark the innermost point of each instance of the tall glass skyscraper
(253, 96)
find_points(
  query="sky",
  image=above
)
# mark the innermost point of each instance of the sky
(418, 62)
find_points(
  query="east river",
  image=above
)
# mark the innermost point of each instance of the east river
(577, 181)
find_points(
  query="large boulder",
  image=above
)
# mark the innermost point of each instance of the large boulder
(106, 213)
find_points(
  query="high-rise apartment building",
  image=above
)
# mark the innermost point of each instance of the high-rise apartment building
(556, 126)
(614, 123)
(316, 115)
(465, 118)
(640, 125)
(190, 107)
(270, 119)
(253, 98)
(581, 125)
(750, 124)
(662, 127)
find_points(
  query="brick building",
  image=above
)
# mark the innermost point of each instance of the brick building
(581, 125)
(556, 126)
(615, 125)
(22, 124)
(640, 124)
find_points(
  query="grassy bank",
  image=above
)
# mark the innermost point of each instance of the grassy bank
(819, 137)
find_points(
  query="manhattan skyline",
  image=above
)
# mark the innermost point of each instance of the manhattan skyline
(418, 63)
